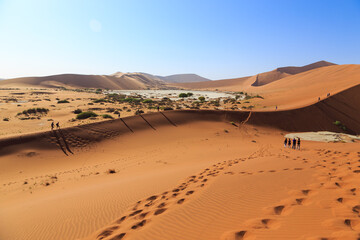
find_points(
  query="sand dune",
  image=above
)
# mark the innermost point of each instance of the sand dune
(256, 80)
(194, 174)
(198, 175)
(292, 91)
(117, 81)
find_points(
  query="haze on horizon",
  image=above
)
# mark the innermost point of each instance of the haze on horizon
(214, 39)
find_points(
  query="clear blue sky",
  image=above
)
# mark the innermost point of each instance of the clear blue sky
(215, 39)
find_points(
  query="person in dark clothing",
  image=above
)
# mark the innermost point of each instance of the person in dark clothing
(158, 108)
(294, 143)
(289, 142)
(285, 142)
(57, 125)
(298, 143)
(52, 125)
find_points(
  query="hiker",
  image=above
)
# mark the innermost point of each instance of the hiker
(298, 143)
(294, 143)
(52, 125)
(58, 125)
(319, 99)
(158, 108)
(276, 108)
(119, 115)
(328, 95)
(289, 142)
(285, 142)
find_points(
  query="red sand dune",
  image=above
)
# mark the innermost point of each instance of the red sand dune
(343, 107)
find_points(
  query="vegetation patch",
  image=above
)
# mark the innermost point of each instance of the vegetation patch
(34, 111)
(100, 100)
(85, 115)
(63, 101)
(184, 95)
(77, 111)
(340, 125)
(107, 116)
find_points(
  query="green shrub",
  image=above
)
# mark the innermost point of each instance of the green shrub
(77, 111)
(107, 116)
(85, 115)
(6, 119)
(100, 100)
(340, 125)
(139, 112)
(202, 99)
(337, 123)
(34, 111)
(63, 101)
(183, 95)
(148, 101)
(189, 94)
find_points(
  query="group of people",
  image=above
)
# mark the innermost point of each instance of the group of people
(295, 143)
(327, 95)
(57, 125)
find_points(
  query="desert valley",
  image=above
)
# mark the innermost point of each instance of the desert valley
(139, 156)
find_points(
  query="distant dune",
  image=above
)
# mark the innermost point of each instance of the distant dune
(256, 80)
(117, 80)
(268, 77)
(140, 80)
(329, 79)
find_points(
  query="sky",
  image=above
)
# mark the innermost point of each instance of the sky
(215, 39)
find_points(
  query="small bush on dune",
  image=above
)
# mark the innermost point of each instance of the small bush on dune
(107, 116)
(85, 115)
(340, 125)
(111, 171)
(63, 101)
(6, 119)
(77, 111)
(148, 101)
(101, 100)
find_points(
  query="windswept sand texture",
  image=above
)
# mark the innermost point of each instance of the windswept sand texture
(194, 174)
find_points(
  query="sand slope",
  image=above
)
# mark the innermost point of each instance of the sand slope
(123, 81)
(186, 175)
(256, 80)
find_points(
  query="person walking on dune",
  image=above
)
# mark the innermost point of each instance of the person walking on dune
(58, 125)
(289, 142)
(294, 143)
(52, 126)
(285, 142)
(298, 143)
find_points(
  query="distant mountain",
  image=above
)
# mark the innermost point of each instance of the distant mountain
(183, 78)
